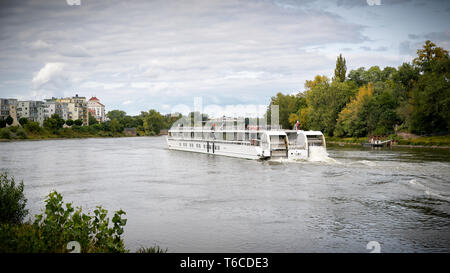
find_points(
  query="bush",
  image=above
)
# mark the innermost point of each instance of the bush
(58, 225)
(5, 133)
(21, 134)
(13, 128)
(12, 201)
(61, 223)
(32, 127)
(23, 121)
(153, 249)
(78, 122)
(9, 120)
(69, 122)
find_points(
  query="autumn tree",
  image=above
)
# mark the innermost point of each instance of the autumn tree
(348, 123)
(429, 54)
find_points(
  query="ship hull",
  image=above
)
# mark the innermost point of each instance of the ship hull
(216, 148)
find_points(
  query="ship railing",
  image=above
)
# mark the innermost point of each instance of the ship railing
(253, 142)
(296, 146)
(278, 146)
(232, 128)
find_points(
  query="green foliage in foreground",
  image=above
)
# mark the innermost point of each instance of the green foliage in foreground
(61, 223)
(153, 249)
(58, 224)
(12, 201)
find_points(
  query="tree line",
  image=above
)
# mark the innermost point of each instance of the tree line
(147, 124)
(414, 97)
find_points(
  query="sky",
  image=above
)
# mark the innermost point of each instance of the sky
(234, 54)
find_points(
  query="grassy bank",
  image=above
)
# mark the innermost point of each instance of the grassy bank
(431, 141)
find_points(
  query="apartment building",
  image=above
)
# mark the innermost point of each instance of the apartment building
(8, 108)
(32, 110)
(75, 107)
(67, 108)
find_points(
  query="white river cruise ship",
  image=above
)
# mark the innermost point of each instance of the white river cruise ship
(250, 142)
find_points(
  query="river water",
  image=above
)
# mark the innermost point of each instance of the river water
(190, 202)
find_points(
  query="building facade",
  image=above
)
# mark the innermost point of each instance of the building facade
(32, 110)
(67, 108)
(97, 109)
(8, 108)
(74, 108)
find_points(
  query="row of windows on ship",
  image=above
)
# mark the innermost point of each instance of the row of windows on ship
(199, 146)
(232, 136)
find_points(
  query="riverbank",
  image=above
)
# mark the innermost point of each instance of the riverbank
(441, 142)
(16, 133)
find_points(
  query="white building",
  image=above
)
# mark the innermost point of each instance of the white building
(32, 110)
(96, 109)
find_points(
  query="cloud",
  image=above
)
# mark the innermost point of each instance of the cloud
(47, 73)
(39, 44)
(160, 53)
(440, 38)
(413, 36)
(101, 85)
(368, 3)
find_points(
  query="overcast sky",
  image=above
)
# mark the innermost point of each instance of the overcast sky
(138, 55)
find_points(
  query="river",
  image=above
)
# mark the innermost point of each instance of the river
(190, 202)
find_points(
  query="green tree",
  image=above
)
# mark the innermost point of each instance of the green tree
(2, 123)
(32, 127)
(9, 120)
(431, 99)
(116, 114)
(340, 70)
(23, 121)
(288, 105)
(116, 127)
(325, 101)
(54, 122)
(153, 122)
(349, 122)
(358, 76)
(12, 200)
(78, 122)
(429, 54)
(69, 122)
(92, 119)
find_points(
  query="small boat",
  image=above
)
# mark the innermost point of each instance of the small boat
(377, 143)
